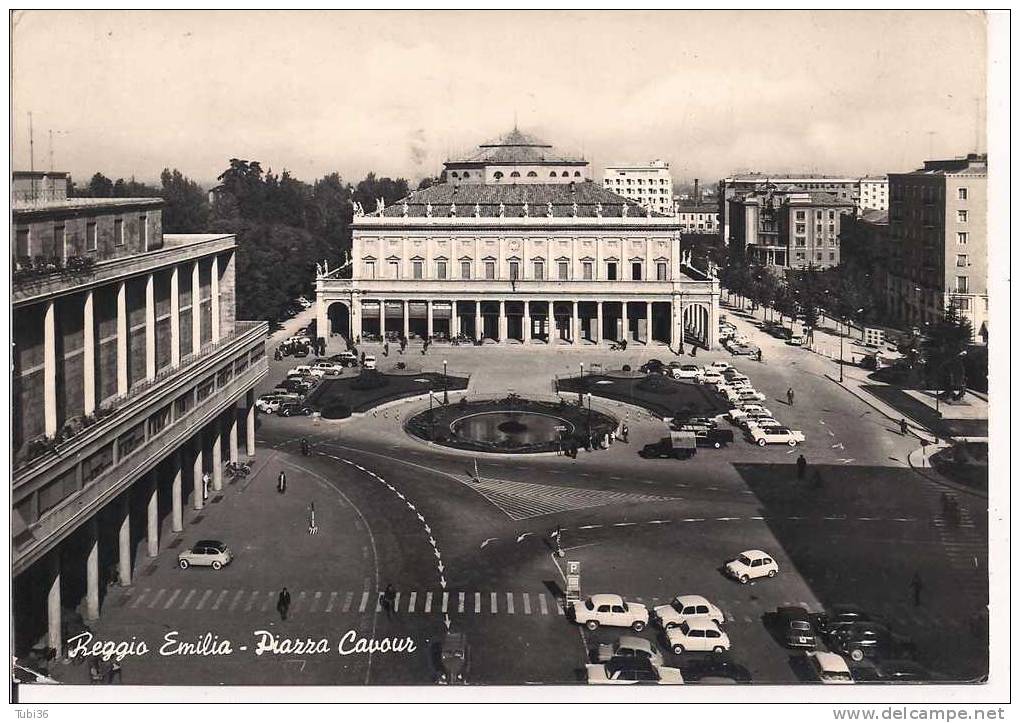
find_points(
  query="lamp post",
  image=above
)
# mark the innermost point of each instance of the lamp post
(580, 385)
(841, 347)
(587, 422)
(432, 416)
(446, 395)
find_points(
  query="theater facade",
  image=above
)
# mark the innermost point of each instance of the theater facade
(516, 245)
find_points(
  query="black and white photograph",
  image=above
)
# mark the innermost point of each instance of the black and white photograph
(508, 355)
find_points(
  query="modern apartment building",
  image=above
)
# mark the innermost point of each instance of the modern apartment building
(939, 242)
(131, 379)
(788, 230)
(564, 262)
(649, 186)
(698, 218)
(873, 193)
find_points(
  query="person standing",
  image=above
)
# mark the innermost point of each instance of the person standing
(389, 600)
(281, 482)
(903, 427)
(789, 396)
(283, 603)
(385, 351)
(694, 350)
(557, 537)
(624, 433)
(801, 467)
(205, 485)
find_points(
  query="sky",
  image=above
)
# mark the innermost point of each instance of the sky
(397, 92)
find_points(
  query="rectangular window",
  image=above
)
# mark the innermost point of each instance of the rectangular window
(239, 366)
(800, 215)
(143, 230)
(440, 269)
(159, 421)
(961, 259)
(370, 269)
(416, 269)
(611, 270)
(635, 271)
(961, 237)
(818, 214)
(587, 269)
(539, 270)
(118, 232)
(224, 375)
(660, 271)
(394, 269)
(515, 270)
(186, 402)
(130, 441)
(832, 215)
(962, 285)
(205, 389)
(23, 245)
(91, 238)
(961, 194)
(963, 304)
(961, 217)
(490, 270)
(465, 269)
(801, 241)
(801, 228)
(832, 256)
(564, 270)
(59, 241)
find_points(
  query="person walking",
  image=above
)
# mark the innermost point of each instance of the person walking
(281, 482)
(624, 433)
(312, 528)
(305, 448)
(917, 586)
(389, 600)
(557, 537)
(789, 396)
(283, 603)
(801, 467)
(385, 351)
(694, 350)
(904, 428)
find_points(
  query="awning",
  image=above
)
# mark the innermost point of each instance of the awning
(417, 309)
(442, 310)
(395, 308)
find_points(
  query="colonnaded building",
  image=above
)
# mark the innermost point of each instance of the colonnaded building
(132, 379)
(517, 245)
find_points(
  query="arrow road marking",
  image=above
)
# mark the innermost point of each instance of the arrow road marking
(524, 535)
(487, 541)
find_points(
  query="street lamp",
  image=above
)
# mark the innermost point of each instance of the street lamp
(841, 348)
(587, 422)
(446, 396)
(580, 385)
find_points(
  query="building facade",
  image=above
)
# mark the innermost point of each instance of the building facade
(873, 193)
(562, 262)
(788, 230)
(131, 379)
(649, 186)
(698, 218)
(939, 242)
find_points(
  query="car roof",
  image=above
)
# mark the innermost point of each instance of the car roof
(606, 599)
(830, 662)
(629, 662)
(701, 623)
(691, 599)
(755, 553)
(633, 641)
(793, 611)
(209, 543)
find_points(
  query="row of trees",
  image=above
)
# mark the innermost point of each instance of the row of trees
(283, 225)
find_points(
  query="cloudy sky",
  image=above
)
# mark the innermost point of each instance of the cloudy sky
(398, 92)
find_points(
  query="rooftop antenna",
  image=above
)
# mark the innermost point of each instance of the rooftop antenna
(978, 123)
(31, 143)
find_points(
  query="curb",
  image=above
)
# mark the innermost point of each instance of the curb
(880, 410)
(939, 479)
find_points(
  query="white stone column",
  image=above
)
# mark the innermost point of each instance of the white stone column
(479, 326)
(92, 570)
(407, 318)
(249, 427)
(597, 336)
(150, 326)
(177, 492)
(428, 318)
(575, 322)
(382, 319)
(526, 324)
(551, 331)
(648, 323)
(197, 501)
(175, 318)
(214, 290)
(217, 456)
(454, 320)
(122, 339)
(232, 434)
(50, 369)
(502, 321)
(54, 636)
(321, 318)
(355, 318)
(124, 540)
(88, 359)
(196, 311)
(152, 516)
(624, 321)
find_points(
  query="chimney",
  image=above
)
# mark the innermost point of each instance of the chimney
(697, 193)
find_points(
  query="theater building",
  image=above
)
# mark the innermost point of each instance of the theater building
(131, 379)
(518, 246)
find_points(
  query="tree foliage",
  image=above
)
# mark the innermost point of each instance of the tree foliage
(943, 347)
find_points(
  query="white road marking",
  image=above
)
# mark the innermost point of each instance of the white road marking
(155, 599)
(493, 606)
(478, 602)
(428, 602)
(332, 602)
(364, 602)
(542, 604)
(234, 602)
(201, 603)
(247, 606)
(411, 600)
(527, 603)
(509, 603)
(170, 600)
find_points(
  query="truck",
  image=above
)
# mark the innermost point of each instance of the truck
(678, 445)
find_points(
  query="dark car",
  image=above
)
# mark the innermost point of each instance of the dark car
(652, 366)
(840, 616)
(714, 438)
(714, 669)
(871, 640)
(294, 409)
(454, 660)
(796, 627)
(892, 671)
(301, 351)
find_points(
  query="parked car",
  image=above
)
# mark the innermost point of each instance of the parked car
(684, 371)
(206, 553)
(719, 365)
(710, 376)
(301, 369)
(743, 350)
(369, 362)
(611, 610)
(713, 669)
(839, 616)
(751, 564)
(330, 368)
(270, 406)
(345, 359)
(301, 351)
(683, 607)
(652, 366)
(795, 340)
(775, 435)
(830, 668)
(746, 410)
(629, 646)
(697, 634)
(454, 659)
(714, 438)
(745, 395)
(796, 627)
(871, 640)
(629, 671)
(764, 423)
(294, 409)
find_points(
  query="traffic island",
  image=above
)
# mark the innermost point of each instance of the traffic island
(661, 395)
(511, 425)
(339, 398)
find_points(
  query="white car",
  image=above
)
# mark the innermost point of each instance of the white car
(270, 406)
(747, 410)
(775, 435)
(685, 371)
(720, 366)
(317, 372)
(629, 671)
(369, 362)
(685, 607)
(611, 610)
(331, 369)
(710, 377)
(830, 668)
(758, 421)
(302, 369)
(796, 340)
(697, 634)
(742, 395)
(751, 564)
(630, 646)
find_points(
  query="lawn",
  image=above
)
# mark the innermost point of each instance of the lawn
(339, 398)
(659, 394)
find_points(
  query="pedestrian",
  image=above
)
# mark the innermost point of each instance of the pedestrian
(801, 467)
(114, 673)
(389, 600)
(385, 351)
(903, 427)
(694, 350)
(312, 528)
(305, 448)
(281, 482)
(789, 396)
(612, 436)
(625, 433)
(362, 358)
(205, 485)
(357, 340)
(760, 357)
(283, 603)
(917, 587)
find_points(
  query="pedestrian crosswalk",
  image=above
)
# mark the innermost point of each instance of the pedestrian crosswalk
(474, 604)
(521, 500)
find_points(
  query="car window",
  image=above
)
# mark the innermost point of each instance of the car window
(588, 604)
(711, 633)
(685, 628)
(690, 610)
(697, 633)
(766, 561)
(603, 608)
(619, 609)
(756, 563)
(702, 609)
(744, 560)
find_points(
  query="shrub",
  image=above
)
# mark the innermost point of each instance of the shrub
(626, 367)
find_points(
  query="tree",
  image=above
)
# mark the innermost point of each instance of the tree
(100, 187)
(943, 347)
(187, 208)
(372, 188)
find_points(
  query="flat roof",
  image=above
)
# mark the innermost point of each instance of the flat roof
(75, 204)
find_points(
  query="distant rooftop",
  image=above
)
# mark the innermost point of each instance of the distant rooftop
(28, 205)
(976, 163)
(515, 147)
